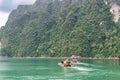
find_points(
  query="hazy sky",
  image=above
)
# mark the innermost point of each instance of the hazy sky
(6, 6)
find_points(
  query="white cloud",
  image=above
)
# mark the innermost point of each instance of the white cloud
(23, 1)
(3, 18)
(14, 3)
(0, 2)
(27, 2)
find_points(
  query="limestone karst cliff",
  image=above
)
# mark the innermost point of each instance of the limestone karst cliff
(62, 28)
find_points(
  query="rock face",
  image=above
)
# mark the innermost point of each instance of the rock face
(61, 28)
(17, 12)
(115, 10)
(106, 2)
(68, 2)
(37, 6)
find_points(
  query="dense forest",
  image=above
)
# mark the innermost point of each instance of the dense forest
(57, 28)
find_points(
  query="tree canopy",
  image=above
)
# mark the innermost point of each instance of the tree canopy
(61, 28)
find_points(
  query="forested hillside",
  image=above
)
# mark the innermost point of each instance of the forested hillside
(62, 28)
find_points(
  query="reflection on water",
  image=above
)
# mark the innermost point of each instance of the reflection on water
(48, 69)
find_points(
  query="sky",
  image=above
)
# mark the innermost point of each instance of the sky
(6, 6)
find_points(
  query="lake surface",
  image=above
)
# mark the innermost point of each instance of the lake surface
(48, 69)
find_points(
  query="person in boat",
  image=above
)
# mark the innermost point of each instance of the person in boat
(66, 63)
(74, 59)
(61, 63)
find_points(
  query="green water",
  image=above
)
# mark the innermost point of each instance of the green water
(48, 69)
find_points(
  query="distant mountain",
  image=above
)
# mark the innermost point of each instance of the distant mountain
(89, 28)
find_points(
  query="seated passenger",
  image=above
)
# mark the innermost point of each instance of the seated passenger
(74, 59)
(66, 63)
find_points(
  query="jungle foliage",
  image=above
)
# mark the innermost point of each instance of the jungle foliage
(61, 28)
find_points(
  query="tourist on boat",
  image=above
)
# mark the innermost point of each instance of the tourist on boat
(73, 56)
(66, 63)
(74, 59)
(61, 63)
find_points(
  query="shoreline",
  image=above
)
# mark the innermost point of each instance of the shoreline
(113, 58)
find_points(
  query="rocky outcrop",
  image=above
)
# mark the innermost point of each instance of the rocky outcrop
(106, 2)
(68, 2)
(115, 10)
(21, 9)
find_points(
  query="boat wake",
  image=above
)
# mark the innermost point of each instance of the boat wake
(86, 64)
(82, 68)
